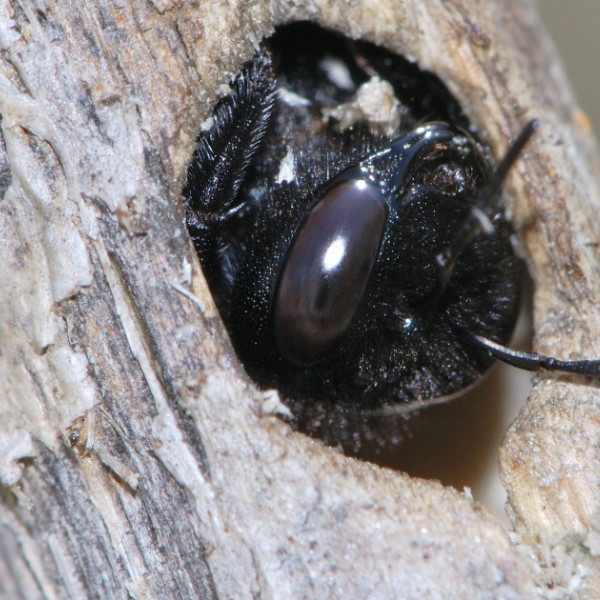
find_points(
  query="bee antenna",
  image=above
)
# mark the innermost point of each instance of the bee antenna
(531, 361)
(484, 208)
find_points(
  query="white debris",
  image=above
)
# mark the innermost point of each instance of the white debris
(291, 98)
(287, 171)
(338, 73)
(375, 103)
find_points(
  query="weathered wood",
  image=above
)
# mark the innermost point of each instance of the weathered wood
(135, 457)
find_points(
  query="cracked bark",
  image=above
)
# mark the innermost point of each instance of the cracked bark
(134, 457)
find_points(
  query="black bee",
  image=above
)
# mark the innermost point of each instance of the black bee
(358, 261)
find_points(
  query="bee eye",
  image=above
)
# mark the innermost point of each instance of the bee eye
(327, 267)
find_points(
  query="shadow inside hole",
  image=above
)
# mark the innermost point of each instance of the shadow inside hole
(457, 442)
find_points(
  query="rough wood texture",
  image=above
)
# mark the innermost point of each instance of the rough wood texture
(135, 458)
